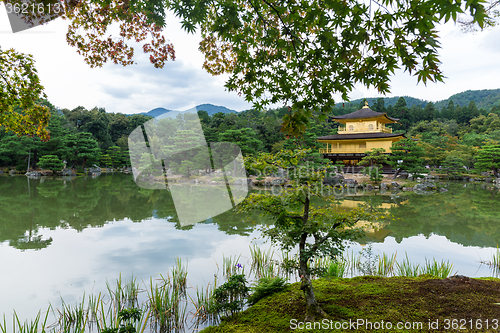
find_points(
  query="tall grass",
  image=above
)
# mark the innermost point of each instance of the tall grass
(263, 263)
(229, 266)
(204, 306)
(36, 325)
(386, 265)
(167, 300)
(406, 268)
(440, 270)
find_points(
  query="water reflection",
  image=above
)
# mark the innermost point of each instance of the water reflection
(28, 205)
(467, 214)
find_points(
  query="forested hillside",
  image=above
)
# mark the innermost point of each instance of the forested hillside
(484, 99)
(83, 137)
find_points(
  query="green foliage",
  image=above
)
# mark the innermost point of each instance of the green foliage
(374, 159)
(406, 155)
(266, 287)
(126, 317)
(488, 159)
(21, 110)
(230, 297)
(51, 162)
(453, 165)
(375, 173)
(318, 230)
(295, 53)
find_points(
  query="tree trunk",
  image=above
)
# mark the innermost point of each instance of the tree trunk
(313, 310)
(35, 157)
(495, 172)
(396, 173)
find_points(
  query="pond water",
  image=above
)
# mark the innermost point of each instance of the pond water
(60, 237)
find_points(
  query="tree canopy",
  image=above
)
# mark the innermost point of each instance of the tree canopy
(292, 52)
(301, 53)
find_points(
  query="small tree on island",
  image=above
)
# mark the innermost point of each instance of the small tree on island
(51, 162)
(317, 230)
(374, 158)
(406, 155)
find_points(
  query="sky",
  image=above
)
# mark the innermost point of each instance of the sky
(469, 62)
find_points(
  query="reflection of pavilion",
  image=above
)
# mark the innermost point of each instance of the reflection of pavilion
(374, 230)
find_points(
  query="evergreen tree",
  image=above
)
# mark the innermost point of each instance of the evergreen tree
(488, 158)
(51, 162)
(406, 155)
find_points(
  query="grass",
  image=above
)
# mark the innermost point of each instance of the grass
(165, 306)
(416, 301)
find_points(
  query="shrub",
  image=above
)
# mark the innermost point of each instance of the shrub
(266, 287)
(230, 297)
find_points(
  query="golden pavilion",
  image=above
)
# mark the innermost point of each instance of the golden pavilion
(360, 131)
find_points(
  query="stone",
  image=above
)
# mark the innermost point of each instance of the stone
(424, 187)
(278, 181)
(12, 172)
(351, 182)
(488, 180)
(442, 189)
(383, 186)
(267, 183)
(395, 184)
(403, 175)
(1, 172)
(369, 187)
(250, 182)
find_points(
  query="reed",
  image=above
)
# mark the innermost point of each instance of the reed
(440, 270)
(386, 265)
(407, 269)
(167, 300)
(73, 318)
(230, 266)
(334, 267)
(265, 266)
(36, 325)
(204, 306)
(352, 262)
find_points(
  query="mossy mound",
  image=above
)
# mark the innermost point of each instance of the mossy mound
(422, 304)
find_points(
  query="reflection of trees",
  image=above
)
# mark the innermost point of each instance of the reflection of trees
(468, 216)
(85, 202)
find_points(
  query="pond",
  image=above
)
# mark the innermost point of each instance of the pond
(63, 237)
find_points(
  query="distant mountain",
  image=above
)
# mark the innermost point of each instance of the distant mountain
(210, 108)
(156, 112)
(213, 109)
(484, 99)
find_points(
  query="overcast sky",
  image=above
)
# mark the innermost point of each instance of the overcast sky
(469, 61)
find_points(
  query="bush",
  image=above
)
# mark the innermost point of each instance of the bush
(230, 297)
(21, 168)
(266, 287)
